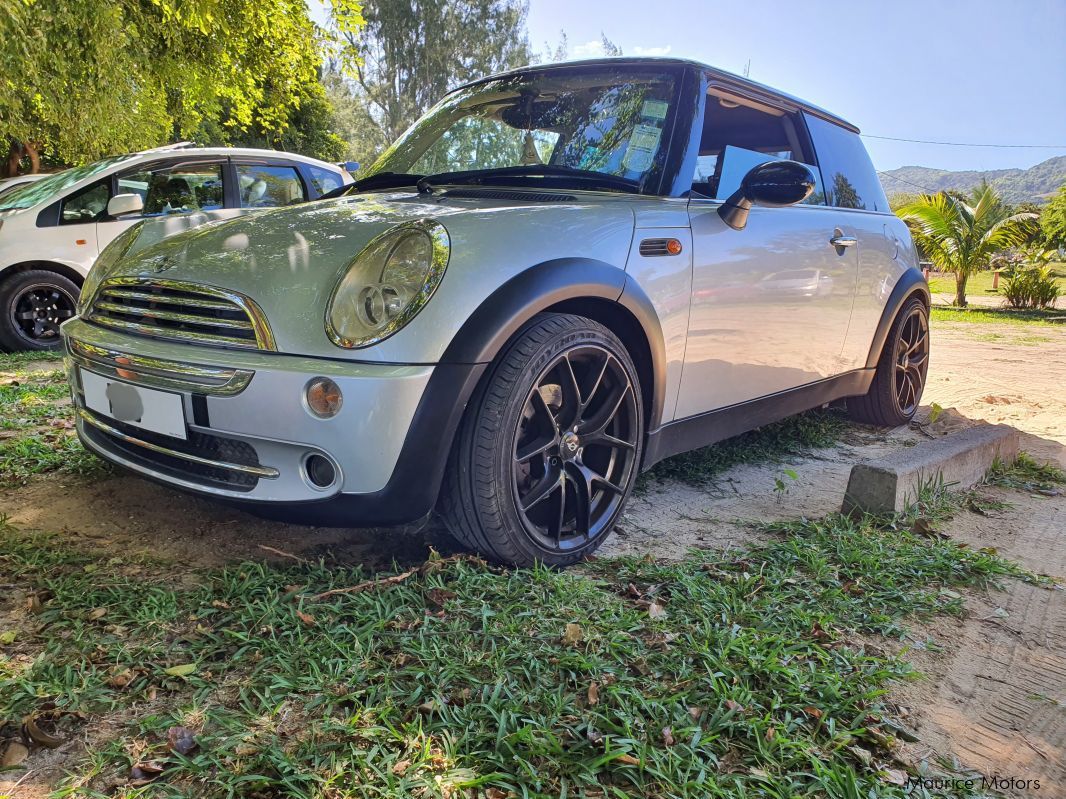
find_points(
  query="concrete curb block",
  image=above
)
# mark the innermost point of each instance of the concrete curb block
(890, 484)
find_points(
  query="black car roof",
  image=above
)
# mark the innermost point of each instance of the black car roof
(745, 85)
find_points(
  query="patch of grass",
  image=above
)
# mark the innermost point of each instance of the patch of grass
(1015, 340)
(1009, 316)
(1026, 474)
(743, 674)
(29, 399)
(14, 360)
(22, 457)
(772, 443)
(979, 283)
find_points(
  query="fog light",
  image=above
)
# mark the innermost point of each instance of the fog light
(324, 397)
(320, 471)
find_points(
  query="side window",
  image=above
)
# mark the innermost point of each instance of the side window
(849, 175)
(269, 186)
(176, 188)
(88, 205)
(324, 179)
(738, 135)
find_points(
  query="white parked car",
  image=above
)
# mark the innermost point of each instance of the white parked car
(53, 228)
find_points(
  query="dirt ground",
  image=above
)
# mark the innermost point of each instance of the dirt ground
(993, 697)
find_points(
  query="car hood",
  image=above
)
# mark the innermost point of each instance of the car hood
(288, 260)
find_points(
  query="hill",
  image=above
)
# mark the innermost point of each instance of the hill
(1036, 184)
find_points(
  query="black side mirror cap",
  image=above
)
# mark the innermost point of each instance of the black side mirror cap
(774, 184)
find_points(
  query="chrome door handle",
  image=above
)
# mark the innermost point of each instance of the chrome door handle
(843, 241)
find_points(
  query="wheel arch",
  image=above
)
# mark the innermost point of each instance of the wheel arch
(912, 283)
(580, 286)
(69, 272)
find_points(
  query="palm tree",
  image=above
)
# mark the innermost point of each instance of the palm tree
(961, 234)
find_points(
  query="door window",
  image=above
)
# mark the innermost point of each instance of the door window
(739, 134)
(324, 180)
(269, 186)
(88, 205)
(176, 188)
(849, 175)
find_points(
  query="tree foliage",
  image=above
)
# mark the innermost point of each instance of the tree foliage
(87, 78)
(1053, 220)
(961, 234)
(409, 54)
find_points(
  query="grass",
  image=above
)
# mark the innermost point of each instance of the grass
(36, 423)
(772, 443)
(723, 675)
(980, 282)
(1050, 318)
(1026, 474)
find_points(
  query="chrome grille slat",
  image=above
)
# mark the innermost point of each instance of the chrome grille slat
(157, 372)
(174, 316)
(187, 312)
(189, 302)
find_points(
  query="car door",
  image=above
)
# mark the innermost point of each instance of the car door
(771, 303)
(75, 236)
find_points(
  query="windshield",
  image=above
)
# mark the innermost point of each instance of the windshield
(27, 195)
(605, 120)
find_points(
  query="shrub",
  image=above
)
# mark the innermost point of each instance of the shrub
(1030, 287)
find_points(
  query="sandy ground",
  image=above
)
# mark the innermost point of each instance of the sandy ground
(994, 697)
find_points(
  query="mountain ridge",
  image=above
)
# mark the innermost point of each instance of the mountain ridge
(1036, 184)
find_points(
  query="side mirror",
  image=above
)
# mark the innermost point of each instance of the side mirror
(349, 166)
(774, 184)
(124, 205)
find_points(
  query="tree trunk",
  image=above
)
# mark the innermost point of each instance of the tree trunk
(960, 289)
(32, 150)
(14, 156)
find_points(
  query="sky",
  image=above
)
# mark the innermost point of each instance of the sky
(970, 71)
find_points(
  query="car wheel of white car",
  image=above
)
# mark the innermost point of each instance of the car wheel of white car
(899, 380)
(33, 304)
(549, 450)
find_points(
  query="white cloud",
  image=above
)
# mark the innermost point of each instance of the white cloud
(592, 49)
(652, 51)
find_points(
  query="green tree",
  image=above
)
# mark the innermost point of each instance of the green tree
(410, 54)
(1053, 221)
(86, 78)
(961, 234)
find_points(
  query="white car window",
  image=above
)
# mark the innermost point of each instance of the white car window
(176, 189)
(269, 186)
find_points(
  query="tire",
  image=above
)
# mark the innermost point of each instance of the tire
(549, 448)
(901, 371)
(32, 306)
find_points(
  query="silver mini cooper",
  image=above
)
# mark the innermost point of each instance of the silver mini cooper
(556, 278)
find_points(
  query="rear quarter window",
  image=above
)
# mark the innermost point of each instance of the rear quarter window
(847, 173)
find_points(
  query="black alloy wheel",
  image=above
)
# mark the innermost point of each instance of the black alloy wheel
(33, 304)
(575, 448)
(912, 360)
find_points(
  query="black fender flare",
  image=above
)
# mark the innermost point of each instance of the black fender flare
(511, 306)
(911, 282)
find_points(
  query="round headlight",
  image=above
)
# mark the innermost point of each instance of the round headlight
(106, 262)
(387, 283)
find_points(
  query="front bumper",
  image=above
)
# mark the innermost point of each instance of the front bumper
(250, 433)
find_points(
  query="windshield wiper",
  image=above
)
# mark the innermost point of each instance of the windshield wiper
(507, 174)
(380, 180)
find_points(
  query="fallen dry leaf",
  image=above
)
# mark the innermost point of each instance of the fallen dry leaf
(181, 740)
(39, 736)
(401, 768)
(593, 694)
(97, 613)
(120, 678)
(573, 634)
(771, 733)
(306, 618)
(438, 596)
(894, 776)
(736, 707)
(695, 713)
(627, 760)
(145, 772)
(812, 711)
(656, 611)
(13, 755)
(668, 736)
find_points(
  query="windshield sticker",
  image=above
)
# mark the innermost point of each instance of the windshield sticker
(655, 109)
(643, 143)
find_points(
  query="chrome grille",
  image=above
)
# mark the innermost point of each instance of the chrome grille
(188, 312)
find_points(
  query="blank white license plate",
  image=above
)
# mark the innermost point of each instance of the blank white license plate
(147, 408)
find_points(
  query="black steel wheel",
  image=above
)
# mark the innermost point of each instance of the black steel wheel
(549, 449)
(896, 389)
(33, 304)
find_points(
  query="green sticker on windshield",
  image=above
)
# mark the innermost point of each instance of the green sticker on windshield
(655, 109)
